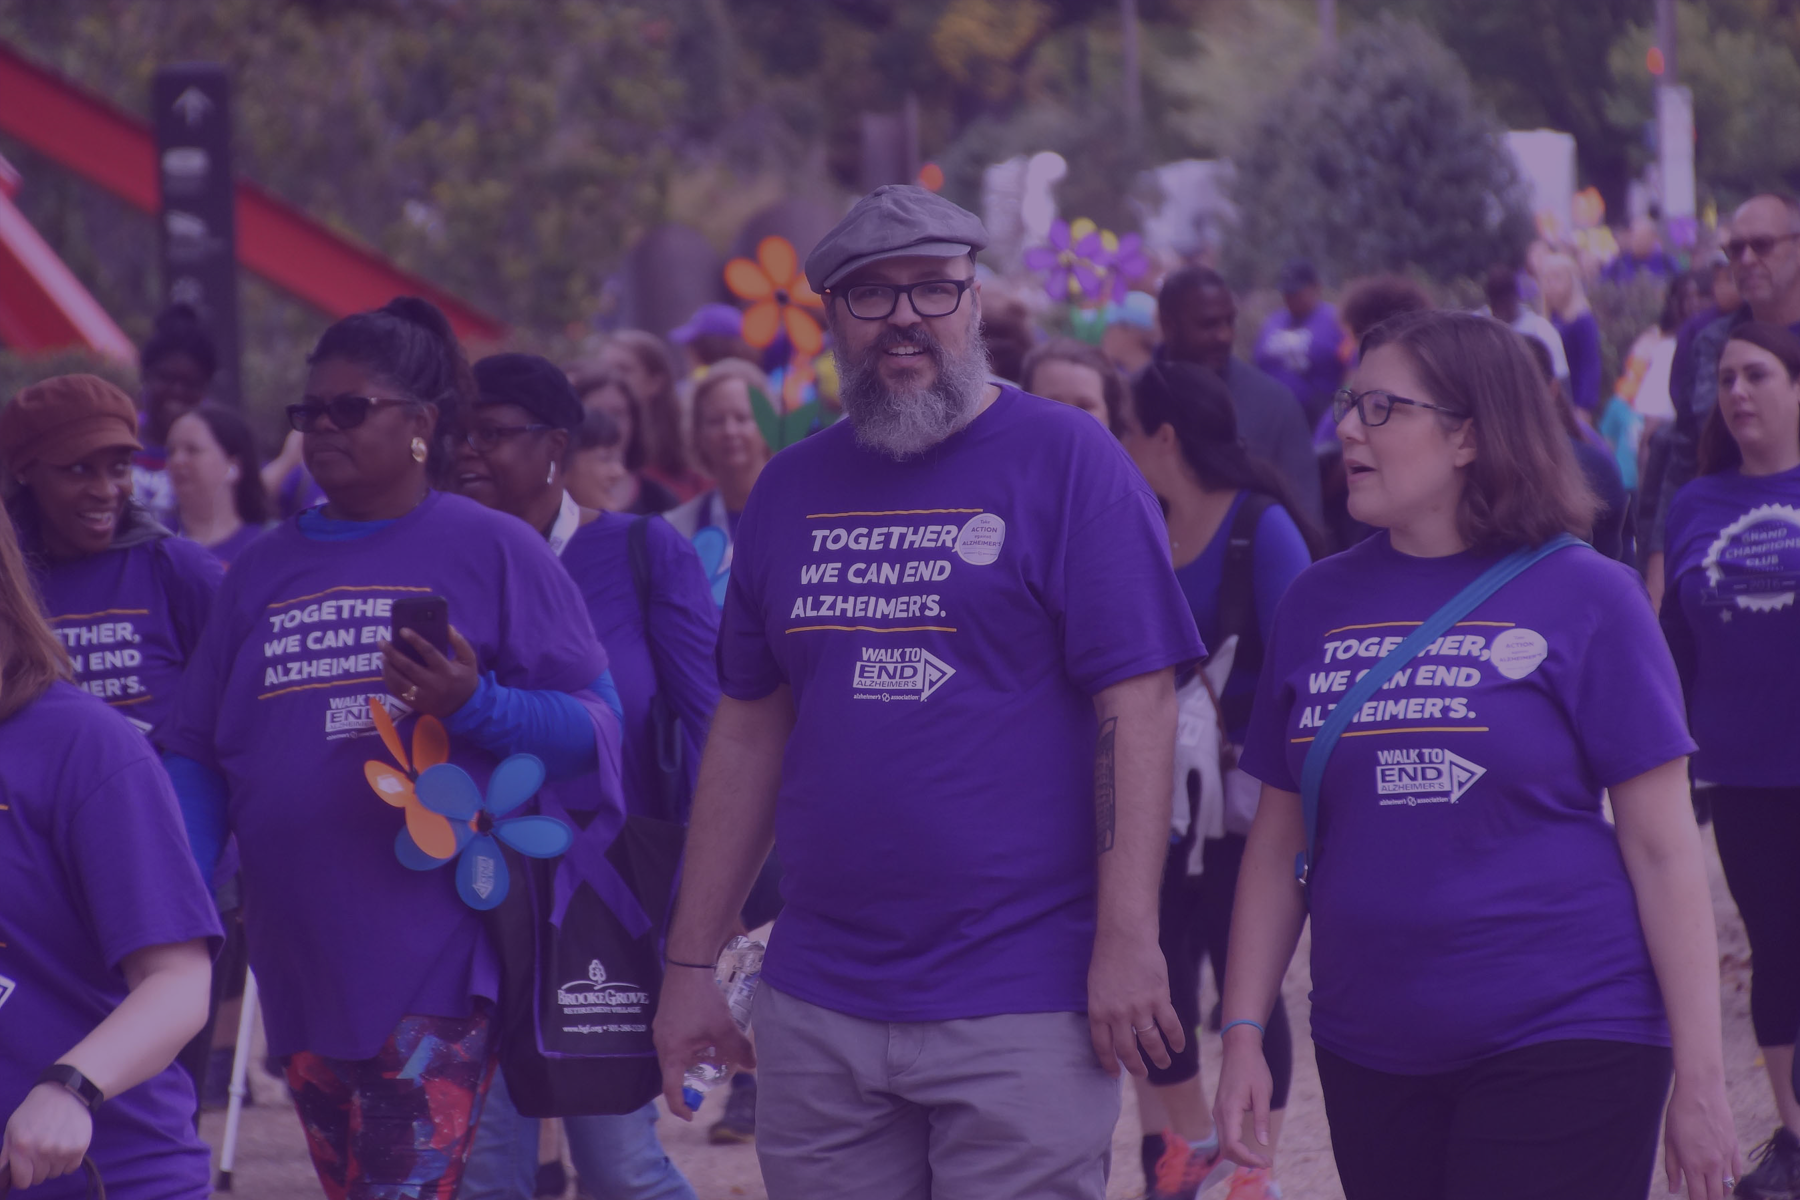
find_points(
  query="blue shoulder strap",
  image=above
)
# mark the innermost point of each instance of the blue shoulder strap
(1312, 771)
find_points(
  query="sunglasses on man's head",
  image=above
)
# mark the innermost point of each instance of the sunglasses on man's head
(346, 411)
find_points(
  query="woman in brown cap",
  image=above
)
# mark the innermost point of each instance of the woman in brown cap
(127, 599)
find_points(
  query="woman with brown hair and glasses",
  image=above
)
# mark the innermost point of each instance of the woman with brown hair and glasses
(1503, 980)
(106, 957)
(641, 361)
(633, 491)
(308, 712)
(1730, 616)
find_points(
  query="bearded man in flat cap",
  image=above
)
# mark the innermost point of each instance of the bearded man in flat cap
(947, 655)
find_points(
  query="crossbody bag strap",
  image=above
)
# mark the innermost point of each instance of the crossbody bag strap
(637, 542)
(1312, 770)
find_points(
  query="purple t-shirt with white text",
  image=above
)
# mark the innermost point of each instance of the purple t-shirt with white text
(94, 866)
(1305, 355)
(345, 940)
(945, 623)
(1468, 892)
(130, 618)
(1734, 571)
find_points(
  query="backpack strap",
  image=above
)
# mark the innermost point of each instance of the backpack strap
(1237, 602)
(1312, 770)
(637, 542)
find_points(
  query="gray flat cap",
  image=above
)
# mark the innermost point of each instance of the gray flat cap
(893, 220)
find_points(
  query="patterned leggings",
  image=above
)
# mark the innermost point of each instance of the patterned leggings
(397, 1126)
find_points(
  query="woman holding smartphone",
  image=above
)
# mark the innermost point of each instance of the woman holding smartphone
(377, 980)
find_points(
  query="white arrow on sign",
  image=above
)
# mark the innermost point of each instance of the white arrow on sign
(193, 105)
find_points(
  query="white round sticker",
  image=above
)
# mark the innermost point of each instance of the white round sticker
(980, 540)
(1517, 652)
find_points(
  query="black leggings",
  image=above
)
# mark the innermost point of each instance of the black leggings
(1196, 922)
(1758, 831)
(1574, 1120)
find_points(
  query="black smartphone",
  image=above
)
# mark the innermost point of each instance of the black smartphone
(427, 616)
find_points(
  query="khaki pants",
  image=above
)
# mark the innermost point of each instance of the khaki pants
(988, 1108)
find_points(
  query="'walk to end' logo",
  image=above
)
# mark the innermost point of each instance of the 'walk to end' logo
(1420, 776)
(899, 673)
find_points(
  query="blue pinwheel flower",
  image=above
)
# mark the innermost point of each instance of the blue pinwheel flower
(481, 876)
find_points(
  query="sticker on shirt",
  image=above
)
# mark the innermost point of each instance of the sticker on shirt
(1415, 776)
(1754, 563)
(981, 538)
(1516, 653)
(890, 673)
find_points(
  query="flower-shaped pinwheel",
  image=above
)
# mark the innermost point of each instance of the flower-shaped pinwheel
(425, 830)
(1084, 264)
(779, 297)
(481, 875)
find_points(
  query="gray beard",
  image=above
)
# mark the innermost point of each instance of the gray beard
(903, 424)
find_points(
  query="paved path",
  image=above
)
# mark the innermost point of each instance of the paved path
(272, 1162)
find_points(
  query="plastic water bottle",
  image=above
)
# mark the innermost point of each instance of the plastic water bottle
(737, 974)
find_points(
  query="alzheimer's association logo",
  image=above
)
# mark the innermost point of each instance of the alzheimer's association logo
(1423, 776)
(891, 673)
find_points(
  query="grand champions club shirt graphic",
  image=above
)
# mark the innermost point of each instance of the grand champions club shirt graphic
(944, 623)
(1734, 621)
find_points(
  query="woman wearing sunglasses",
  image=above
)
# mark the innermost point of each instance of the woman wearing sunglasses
(1504, 981)
(512, 460)
(127, 598)
(104, 959)
(377, 978)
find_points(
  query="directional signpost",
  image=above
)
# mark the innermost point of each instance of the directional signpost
(198, 227)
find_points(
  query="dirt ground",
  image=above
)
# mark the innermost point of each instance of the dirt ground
(272, 1162)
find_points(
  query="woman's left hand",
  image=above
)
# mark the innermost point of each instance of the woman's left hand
(1700, 1141)
(437, 685)
(46, 1135)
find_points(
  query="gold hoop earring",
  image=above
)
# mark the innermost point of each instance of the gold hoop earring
(419, 449)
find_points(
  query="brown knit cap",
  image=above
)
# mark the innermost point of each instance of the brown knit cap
(63, 420)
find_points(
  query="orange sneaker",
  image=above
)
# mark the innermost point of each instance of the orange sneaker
(1182, 1172)
(1253, 1183)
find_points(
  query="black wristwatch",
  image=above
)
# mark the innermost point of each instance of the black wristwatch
(63, 1075)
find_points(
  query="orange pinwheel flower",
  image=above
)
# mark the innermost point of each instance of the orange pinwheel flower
(779, 297)
(430, 746)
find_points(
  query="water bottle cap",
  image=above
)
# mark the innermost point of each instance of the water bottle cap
(692, 1098)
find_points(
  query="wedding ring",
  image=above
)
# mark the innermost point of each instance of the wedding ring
(412, 695)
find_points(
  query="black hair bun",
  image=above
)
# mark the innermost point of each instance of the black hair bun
(423, 313)
(178, 318)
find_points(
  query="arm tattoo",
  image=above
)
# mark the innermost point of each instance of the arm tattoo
(1104, 786)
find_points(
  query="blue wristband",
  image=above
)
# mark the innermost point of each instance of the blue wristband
(1243, 1021)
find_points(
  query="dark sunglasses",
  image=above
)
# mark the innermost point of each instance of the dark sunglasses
(1759, 246)
(346, 412)
(1375, 407)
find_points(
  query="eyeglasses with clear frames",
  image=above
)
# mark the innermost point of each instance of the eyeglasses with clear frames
(928, 297)
(1376, 406)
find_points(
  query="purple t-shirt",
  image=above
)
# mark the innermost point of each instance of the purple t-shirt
(344, 940)
(230, 549)
(944, 624)
(1305, 355)
(94, 866)
(130, 618)
(1468, 894)
(678, 655)
(1734, 571)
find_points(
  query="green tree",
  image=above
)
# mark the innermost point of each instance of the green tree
(1379, 160)
(1540, 63)
(1746, 87)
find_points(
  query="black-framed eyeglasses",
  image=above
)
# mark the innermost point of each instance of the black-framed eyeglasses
(483, 438)
(1759, 246)
(1376, 406)
(928, 297)
(346, 411)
